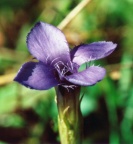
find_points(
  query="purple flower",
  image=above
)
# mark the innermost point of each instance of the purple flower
(57, 65)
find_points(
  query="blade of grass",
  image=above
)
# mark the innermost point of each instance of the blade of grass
(73, 14)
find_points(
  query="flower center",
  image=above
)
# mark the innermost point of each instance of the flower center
(62, 70)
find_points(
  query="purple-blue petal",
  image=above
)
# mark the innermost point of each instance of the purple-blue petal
(36, 76)
(87, 52)
(48, 44)
(88, 77)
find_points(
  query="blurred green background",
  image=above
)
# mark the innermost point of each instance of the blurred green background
(30, 116)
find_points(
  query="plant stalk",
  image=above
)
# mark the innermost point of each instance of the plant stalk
(69, 118)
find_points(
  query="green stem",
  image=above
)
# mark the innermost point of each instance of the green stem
(70, 118)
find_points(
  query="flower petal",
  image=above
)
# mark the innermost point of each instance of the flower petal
(36, 76)
(87, 52)
(90, 76)
(48, 44)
